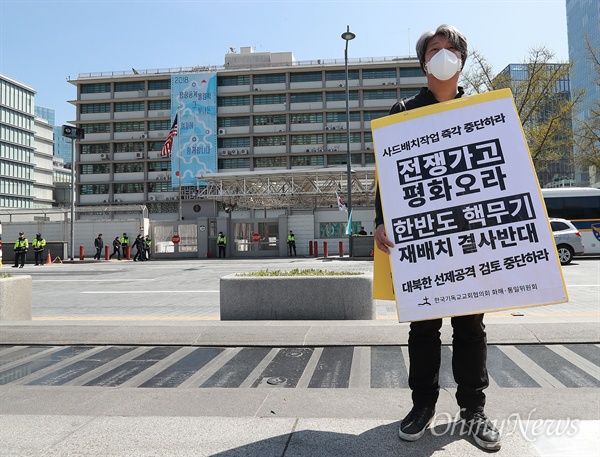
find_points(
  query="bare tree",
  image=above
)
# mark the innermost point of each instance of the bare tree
(587, 125)
(544, 103)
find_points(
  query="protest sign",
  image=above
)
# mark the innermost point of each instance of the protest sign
(462, 205)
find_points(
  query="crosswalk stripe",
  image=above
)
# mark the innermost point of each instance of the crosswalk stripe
(254, 374)
(577, 360)
(360, 370)
(537, 373)
(210, 368)
(310, 369)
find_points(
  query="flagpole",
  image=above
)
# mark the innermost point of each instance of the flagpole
(178, 117)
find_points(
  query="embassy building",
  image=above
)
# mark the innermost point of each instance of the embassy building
(260, 139)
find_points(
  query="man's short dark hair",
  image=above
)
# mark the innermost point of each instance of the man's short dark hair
(457, 39)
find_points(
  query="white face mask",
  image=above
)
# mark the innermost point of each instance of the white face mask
(443, 65)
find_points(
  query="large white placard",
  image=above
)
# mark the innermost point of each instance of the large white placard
(463, 207)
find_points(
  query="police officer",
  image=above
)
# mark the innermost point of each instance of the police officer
(291, 241)
(124, 244)
(147, 247)
(38, 244)
(20, 248)
(221, 242)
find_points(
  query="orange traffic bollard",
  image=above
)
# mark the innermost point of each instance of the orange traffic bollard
(325, 249)
(106, 253)
(316, 249)
(310, 253)
(128, 253)
(81, 252)
(341, 249)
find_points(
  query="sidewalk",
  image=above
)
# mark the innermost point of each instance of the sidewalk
(268, 420)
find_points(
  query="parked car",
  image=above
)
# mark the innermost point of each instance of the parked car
(568, 240)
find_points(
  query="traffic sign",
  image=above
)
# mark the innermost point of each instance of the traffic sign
(175, 239)
(256, 237)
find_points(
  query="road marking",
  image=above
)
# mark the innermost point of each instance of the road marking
(126, 318)
(104, 292)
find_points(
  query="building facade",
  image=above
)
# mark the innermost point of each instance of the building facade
(17, 132)
(43, 172)
(583, 27)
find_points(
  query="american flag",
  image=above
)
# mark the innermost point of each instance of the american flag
(166, 149)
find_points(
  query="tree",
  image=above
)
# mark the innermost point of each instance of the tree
(587, 125)
(544, 103)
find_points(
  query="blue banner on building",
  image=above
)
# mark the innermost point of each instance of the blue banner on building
(194, 100)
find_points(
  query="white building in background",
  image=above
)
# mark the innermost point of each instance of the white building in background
(43, 157)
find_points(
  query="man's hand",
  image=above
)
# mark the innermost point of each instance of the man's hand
(383, 244)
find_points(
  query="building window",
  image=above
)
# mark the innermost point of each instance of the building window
(160, 186)
(368, 137)
(308, 139)
(95, 169)
(121, 107)
(341, 116)
(379, 74)
(342, 159)
(130, 126)
(380, 94)
(243, 100)
(243, 142)
(240, 121)
(370, 115)
(102, 148)
(156, 146)
(271, 99)
(164, 165)
(306, 118)
(157, 105)
(341, 75)
(130, 86)
(129, 188)
(369, 158)
(94, 108)
(103, 127)
(306, 77)
(161, 84)
(242, 80)
(276, 119)
(95, 88)
(159, 125)
(411, 72)
(406, 93)
(305, 161)
(270, 140)
(94, 189)
(129, 147)
(340, 96)
(306, 98)
(132, 167)
(341, 137)
(267, 162)
(269, 79)
(337, 229)
(225, 164)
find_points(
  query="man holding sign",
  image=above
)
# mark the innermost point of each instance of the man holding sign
(442, 55)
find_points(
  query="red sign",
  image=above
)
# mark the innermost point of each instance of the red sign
(175, 239)
(256, 237)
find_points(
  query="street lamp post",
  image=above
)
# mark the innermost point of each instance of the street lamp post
(347, 36)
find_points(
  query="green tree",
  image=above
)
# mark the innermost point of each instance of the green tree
(587, 125)
(541, 92)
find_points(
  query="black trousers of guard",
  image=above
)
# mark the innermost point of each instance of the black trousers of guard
(291, 246)
(469, 358)
(38, 257)
(20, 258)
(221, 250)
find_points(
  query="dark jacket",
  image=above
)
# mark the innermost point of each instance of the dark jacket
(99, 243)
(423, 98)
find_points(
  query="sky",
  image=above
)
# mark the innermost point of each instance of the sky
(45, 42)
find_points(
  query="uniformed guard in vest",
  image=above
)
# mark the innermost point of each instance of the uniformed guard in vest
(148, 247)
(21, 247)
(291, 242)
(38, 244)
(221, 242)
(124, 244)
